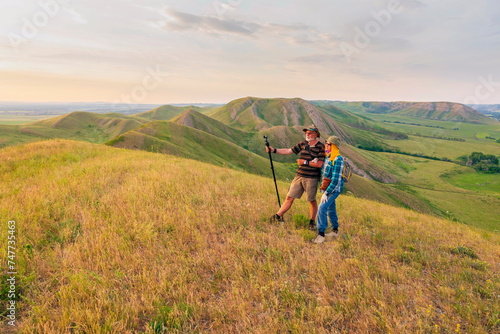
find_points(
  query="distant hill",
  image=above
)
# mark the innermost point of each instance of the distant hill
(444, 111)
(490, 110)
(92, 127)
(486, 108)
(362, 129)
(279, 136)
(166, 112)
(196, 120)
(256, 114)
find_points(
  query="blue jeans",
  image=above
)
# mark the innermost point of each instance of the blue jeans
(328, 208)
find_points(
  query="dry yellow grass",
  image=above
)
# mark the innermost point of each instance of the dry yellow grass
(118, 241)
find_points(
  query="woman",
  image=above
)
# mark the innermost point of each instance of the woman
(331, 186)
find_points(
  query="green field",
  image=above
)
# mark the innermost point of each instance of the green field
(435, 127)
(481, 183)
(436, 138)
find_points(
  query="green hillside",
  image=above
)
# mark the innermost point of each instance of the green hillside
(209, 125)
(256, 114)
(280, 136)
(183, 141)
(122, 241)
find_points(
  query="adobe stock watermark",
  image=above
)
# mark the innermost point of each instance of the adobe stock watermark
(223, 6)
(150, 81)
(483, 91)
(371, 30)
(31, 26)
(11, 293)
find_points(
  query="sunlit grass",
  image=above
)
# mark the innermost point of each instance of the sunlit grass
(118, 241)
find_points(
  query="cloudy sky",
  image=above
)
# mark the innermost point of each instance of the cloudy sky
(214, 51)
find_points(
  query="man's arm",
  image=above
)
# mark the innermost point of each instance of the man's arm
(283, 151)
(317, 164)
(312, 163)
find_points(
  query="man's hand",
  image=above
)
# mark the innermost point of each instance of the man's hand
(269, 149)
(302, 162)
(317, 164)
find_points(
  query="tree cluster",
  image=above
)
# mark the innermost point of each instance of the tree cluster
(483, 163)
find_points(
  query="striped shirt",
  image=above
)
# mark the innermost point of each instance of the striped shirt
(333, 171)
(309, 153)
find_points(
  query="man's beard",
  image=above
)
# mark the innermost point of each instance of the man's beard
(309, 139)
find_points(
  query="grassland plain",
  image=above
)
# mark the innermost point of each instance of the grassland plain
(121, 241)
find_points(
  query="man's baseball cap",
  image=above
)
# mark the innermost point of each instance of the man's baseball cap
(312, 127)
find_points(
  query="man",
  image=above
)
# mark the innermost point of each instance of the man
(331, 186)
(311, 157)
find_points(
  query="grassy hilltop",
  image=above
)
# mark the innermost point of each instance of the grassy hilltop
(122, 241)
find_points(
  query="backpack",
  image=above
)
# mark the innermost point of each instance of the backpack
(346, 171)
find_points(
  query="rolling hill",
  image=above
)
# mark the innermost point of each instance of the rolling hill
(123, 241)
(166, 112)
(209, 125)
(187, 142)
(80, 125)
(256, 114)
(444, 111)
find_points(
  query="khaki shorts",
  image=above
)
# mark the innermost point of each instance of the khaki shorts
(301, 184)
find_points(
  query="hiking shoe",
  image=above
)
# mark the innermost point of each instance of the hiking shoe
(275, 218)
(333, 233)
(319, 239)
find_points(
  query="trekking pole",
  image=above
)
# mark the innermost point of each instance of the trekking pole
(272, 168)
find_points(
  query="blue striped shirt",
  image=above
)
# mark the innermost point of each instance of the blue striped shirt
(333, 170)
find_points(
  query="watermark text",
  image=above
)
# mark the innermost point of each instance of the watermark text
(11, 273)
